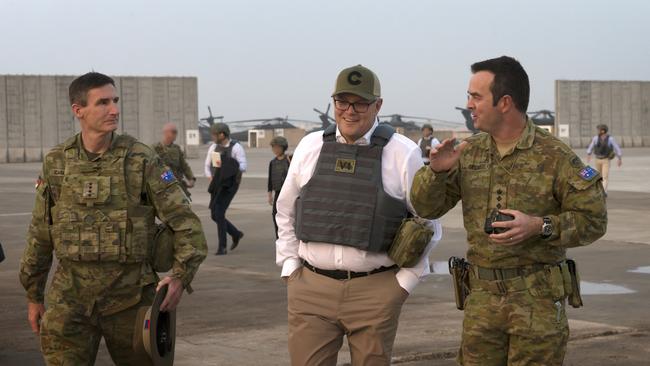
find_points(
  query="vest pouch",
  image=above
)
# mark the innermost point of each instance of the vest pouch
(109, 241)
(139, 235)
(66, 240)
(90, 190)
(410, 242)
(162, 259)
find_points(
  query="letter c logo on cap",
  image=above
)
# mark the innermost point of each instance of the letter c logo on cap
(354, 78)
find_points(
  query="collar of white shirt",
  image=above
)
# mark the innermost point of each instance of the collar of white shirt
(363, 140)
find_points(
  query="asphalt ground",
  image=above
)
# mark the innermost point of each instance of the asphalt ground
(237, 315)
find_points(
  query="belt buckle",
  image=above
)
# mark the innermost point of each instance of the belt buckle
(349, 275)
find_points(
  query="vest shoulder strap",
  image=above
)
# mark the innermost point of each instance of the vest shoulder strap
(382, 134)
(329, 135)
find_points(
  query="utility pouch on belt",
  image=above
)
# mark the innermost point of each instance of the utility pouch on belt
(574, 298)
(411, 240)
(162, 259)
(459, 270)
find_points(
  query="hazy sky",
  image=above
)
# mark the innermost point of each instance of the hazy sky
(276, 57)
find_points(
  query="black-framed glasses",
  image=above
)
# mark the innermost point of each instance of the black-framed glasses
(359, 107)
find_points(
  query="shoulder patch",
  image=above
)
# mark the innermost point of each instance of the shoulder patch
(588, 173)
(167, 176)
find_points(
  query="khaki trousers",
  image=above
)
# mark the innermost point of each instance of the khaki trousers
(602, 165)
(322, 310)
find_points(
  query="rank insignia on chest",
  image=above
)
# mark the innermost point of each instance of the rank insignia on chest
(89, 189)
(167, 176)
(588, 173)
(345, 166)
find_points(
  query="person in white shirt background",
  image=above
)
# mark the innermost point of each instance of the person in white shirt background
(330, 200)
(427, 142)
(224, 165)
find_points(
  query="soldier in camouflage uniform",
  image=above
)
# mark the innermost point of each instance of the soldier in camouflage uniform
(515, 312)
(174, 157)
(96, 201)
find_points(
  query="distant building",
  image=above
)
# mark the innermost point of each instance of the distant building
(35, 113)
(260, 136)
(624, 106)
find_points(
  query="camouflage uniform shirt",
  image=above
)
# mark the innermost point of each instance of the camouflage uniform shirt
(174, 157)
(541, 177)
(108, 286)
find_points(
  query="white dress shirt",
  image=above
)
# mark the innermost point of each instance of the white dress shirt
(237, 153)
(401, 158)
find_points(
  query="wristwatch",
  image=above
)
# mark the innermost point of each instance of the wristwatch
(547, 228)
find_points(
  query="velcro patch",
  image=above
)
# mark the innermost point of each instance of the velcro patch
(167, 176)
(345, 166)
(57, 172)
(588, 173)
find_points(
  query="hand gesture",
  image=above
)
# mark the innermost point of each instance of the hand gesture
(445, 156)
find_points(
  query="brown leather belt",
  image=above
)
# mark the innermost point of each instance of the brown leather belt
(346, 275)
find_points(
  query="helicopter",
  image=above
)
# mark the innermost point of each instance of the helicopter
(543, 118)
(277, 122)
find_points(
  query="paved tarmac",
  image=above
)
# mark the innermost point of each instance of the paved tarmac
(237, 316)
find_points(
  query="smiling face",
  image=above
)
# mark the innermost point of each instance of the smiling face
(101, 111)
(352, 124)
(485, 115)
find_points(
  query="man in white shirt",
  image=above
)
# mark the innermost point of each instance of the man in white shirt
(427, 142)
(344, 197)
(224, 165)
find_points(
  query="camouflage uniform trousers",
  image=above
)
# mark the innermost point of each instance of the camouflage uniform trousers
(517, 328)
(69, 337)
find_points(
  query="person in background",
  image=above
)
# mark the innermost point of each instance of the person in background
(224, 165)
(174, 157)
(278, 168)
(605, 148)
(426, 142)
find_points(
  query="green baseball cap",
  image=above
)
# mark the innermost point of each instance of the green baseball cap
(217, 128)
(358, 80)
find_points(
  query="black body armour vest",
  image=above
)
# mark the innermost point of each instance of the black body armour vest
(344, 202)
(279, 169)
(227, 175)
(424, 143)
(603, 149)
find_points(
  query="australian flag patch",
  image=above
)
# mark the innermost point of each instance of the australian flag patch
(588, 173)
(167, 176)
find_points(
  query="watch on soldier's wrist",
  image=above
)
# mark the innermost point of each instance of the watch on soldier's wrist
(547, 228)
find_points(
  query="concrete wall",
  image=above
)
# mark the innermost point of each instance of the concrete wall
(35, 112)
(624, 106)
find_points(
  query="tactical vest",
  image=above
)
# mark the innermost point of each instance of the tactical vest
(92, 220)
(279, 169)
(229, 165)
(602, 149)
(344, 202)
(424, 143)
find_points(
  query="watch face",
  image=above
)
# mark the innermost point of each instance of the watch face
(547, 228)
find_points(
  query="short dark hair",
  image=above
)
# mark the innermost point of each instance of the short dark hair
(510, 78)
(80, 86)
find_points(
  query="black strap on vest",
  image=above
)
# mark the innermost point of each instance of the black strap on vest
(380, 136)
